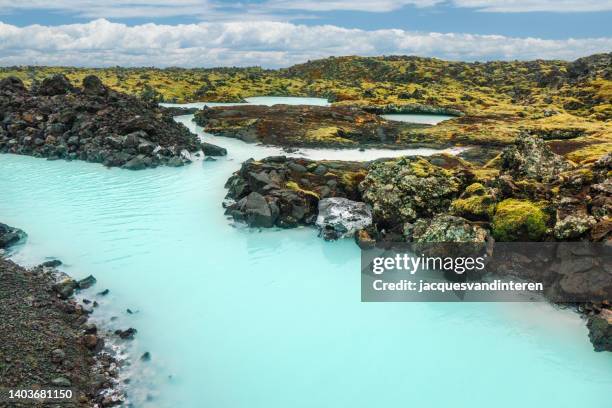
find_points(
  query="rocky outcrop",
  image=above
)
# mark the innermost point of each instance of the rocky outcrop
(340, 217)
(404, 190)
(600, 330)
(303, 125)
(10, 236)
(283, 192)
(531, 158)
(92, 123)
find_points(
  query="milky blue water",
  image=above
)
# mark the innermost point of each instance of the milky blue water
(417, 118)
(245, 318)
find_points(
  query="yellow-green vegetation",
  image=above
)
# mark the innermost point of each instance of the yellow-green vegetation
(292, 185)
(351, 179)
(517, 220)
(475, 204)
(555, 99)
(423, 168)
(328, 134)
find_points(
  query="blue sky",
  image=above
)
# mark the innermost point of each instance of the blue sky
(280, 32)
(442, 17)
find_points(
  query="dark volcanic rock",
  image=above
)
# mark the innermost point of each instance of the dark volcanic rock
(92, 123)
(600, 330)
(41, 339)
(283, 192)
(10, 236)
(210, 149)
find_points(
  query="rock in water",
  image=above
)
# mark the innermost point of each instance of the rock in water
(86, 282)
(210, 149)
(257, 211)
(10, 236)
(340, 217)
(600, 330)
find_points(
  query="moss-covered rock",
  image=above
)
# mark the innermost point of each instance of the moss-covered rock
(447, 228)
(475, 204)
(405, 189)
(519, 220)
(531, 158)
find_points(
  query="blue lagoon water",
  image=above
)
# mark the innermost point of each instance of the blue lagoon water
(417, 118)
(239, 318)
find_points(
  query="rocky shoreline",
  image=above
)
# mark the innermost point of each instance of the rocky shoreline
(48, 341)
(93, 123)
(527, 194)
(310, 126)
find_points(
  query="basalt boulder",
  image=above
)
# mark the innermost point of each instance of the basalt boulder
(340, 217)
(10, 236)
(600, 330)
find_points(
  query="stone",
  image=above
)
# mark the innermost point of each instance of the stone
(93, 86)
(210, 149)
(61, 382)
(86, 282)
(403, 190)
(257, 211)
(55, 85)
(10, 236)
(127, 334)
(90, 341)
(600, 330)
(137, 163)
(340, 217)
(54, 263)
(65, 288)
(447, 228)
(531, 158)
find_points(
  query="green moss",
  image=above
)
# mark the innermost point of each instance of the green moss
(478, 207)
(519, 220)
(292, 185)
(423, 168)
(351, 179)
(475, 189)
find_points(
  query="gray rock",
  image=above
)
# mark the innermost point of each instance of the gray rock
(530, 157)
(257, 211)
(137, 163)
(87, 282)
(600, 330)
(210, 149)
(61, 382)
(65, 288)
(340, 217)
(54, 263)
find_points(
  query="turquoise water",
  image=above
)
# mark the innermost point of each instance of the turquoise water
(258, 100)
(417, 118)
(244, 318)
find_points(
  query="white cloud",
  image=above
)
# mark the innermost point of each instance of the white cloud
(215, 10)
(514, 6)
(271, 44)
(375, 6)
